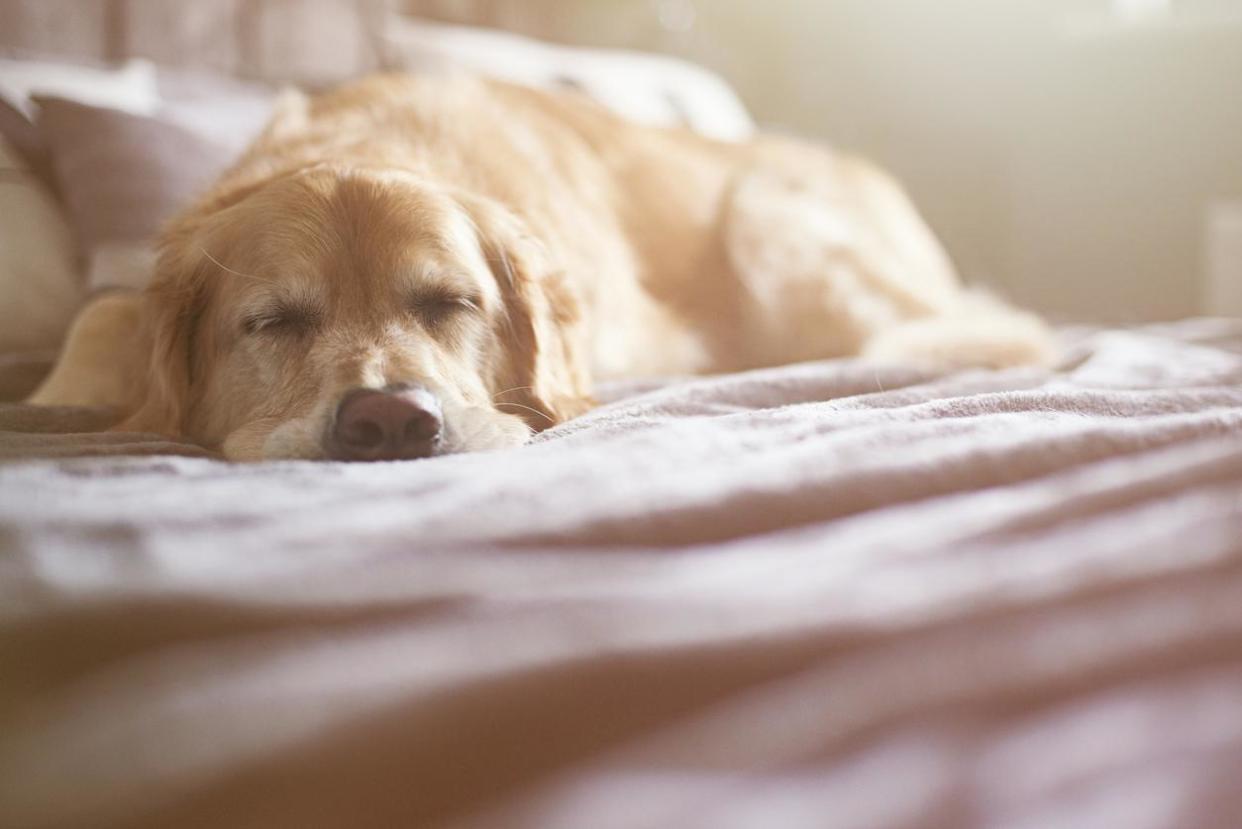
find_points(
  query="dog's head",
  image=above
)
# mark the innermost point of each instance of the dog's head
(360, 315)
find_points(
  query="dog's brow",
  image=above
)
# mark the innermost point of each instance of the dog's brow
(428, 276)
(292, 294)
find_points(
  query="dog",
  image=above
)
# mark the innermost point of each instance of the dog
(412, 266)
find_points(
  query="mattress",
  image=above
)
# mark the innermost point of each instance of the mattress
(834, 594)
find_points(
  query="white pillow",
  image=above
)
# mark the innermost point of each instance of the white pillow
(39, 286)
(650, 89)
(132, 87)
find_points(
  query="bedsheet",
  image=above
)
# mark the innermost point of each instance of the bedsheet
(837, 594)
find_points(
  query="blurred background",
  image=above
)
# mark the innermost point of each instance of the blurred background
(1082, 156)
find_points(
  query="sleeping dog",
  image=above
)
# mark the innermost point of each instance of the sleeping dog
(408, 266)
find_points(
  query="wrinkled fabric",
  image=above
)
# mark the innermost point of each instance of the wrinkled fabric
(834, 594)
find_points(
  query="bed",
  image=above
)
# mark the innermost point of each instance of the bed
(834, 594)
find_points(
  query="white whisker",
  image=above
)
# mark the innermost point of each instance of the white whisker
(529, 409)
(226, 268)
(515, 388)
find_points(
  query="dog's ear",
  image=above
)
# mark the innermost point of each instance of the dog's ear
(543, 365)
(173, 305)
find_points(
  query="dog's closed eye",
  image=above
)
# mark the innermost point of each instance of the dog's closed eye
(283, 318)
(437, 306)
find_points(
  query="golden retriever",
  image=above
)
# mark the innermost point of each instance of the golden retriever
(410, 266)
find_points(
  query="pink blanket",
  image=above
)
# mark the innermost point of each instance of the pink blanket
(828, 595)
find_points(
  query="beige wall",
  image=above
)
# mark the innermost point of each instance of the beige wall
(1074, 171)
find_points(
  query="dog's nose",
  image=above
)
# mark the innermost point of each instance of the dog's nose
(388, 425)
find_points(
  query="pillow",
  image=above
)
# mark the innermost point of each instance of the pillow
(23, 138)
(22, 373)
(132, 87)
(650, 89)
(123, 175)
(39, 287)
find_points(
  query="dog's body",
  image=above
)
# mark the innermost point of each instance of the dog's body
(496, 249)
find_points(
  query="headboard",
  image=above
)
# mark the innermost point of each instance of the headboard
(310, 42)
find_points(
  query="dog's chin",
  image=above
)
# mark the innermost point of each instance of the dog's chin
(467, 430)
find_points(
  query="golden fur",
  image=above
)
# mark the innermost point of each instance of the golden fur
(504, 248)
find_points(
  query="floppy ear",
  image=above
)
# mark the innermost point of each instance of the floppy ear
(173, 304)
(543, 364)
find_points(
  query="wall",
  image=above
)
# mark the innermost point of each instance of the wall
(1071, 166)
